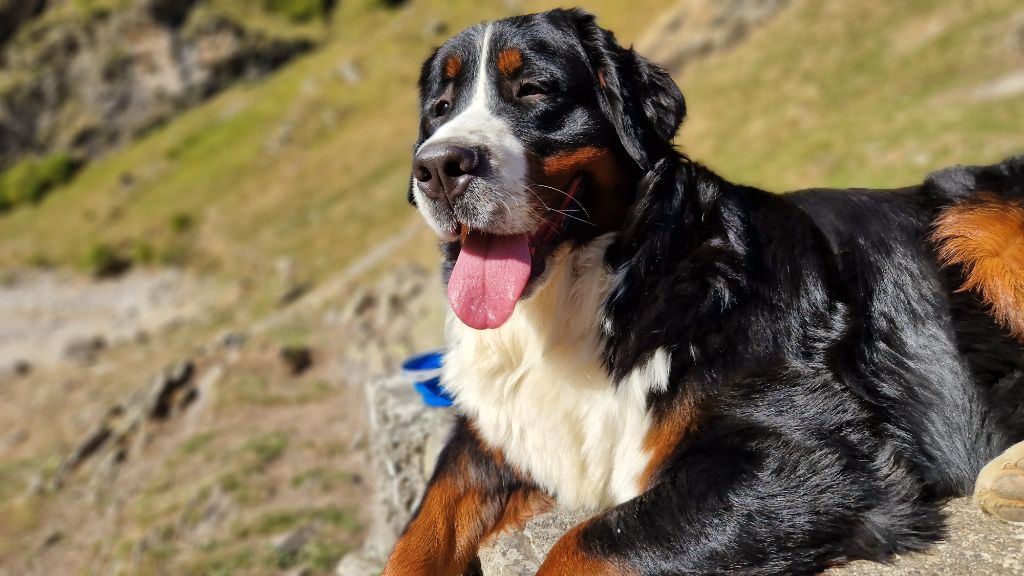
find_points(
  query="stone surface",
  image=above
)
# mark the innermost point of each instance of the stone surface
(400, 427)
(88, 83)
(696, 29)
(977, 545)
(523, 551)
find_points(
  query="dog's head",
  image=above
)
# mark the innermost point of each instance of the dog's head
(533, 132)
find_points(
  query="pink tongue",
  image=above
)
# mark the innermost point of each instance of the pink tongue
(488, 278)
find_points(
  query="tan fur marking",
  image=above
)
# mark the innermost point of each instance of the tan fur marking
(663, 437)
(455, 517)
(452, 67)
(510, 61)
(446, 534)
(567, 558)
(521, 506)
(607, 181)
(986, 238)
(430, 544)
(573, 161)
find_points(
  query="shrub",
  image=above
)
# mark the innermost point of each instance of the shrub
(298, 11)
(182, 222)
(143, 253)
(30, 180)
(103, 261)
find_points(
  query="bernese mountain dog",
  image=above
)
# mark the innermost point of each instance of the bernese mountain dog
(729, 380)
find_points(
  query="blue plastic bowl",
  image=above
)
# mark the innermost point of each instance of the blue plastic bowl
(426, 362)
(424, 370)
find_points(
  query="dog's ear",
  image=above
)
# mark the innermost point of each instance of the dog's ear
(642, 101)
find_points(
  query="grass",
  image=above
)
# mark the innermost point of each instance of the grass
(808, 102)
(263, 450)
(303, 165)
(309, 167)
(280, 522)
(324, 479)
(31, 179)
(199, 443)
(258, 390)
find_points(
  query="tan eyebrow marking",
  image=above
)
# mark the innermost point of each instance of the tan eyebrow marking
(509, 61)
(452, 67)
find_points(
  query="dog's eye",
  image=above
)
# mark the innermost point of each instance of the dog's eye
(441, 108)
(531, 91)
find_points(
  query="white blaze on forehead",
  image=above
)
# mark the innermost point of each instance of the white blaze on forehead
(478, 126)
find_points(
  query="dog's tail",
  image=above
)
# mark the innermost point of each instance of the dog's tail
(979, 228)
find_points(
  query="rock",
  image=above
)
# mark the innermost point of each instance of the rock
(168, 393)
(1016, 39)
(293, 293)
(399, 425)
(708, 26)
(89, 447)
(169, 12)
(297, 359)
(85, 350)
(17, 369)
(435, 27)
(977, 544)
(87, 82)
(435, 443)
(358, 564)
(53, 538)
(14, 439)
(288, 546)
(126, 180)
(21, 368)
(233, 340)
(520, 553)
(14, 13)
(349, 72)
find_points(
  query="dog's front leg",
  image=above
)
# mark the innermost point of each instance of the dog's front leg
(472, 495)
(751, 501)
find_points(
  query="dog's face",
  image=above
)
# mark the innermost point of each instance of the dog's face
(533, 132)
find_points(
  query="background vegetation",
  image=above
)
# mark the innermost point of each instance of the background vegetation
(294, 183)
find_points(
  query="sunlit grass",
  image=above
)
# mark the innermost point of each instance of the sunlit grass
(304, 165)
(858, 94)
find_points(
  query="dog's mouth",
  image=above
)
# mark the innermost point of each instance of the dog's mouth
(493, 271)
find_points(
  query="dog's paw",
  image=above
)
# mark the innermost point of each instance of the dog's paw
(999, 489)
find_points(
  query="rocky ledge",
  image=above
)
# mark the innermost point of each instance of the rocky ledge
(406, 437)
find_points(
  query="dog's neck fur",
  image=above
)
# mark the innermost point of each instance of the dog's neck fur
(538, 390)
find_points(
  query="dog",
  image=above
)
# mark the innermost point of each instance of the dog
(727, 379)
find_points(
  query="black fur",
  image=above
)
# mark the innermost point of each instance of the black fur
(844, 387)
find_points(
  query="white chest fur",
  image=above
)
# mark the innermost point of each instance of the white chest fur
(538, 391)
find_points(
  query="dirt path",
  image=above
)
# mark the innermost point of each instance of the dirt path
(44, 316)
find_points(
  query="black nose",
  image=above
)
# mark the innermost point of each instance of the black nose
(445, 170)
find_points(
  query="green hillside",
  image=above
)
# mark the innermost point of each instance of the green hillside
(862, 93)
(312, 163)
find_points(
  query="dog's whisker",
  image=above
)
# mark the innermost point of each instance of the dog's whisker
(506, 207)
(587, 222)
(537, 196)
(563, 193)
(562, 212)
